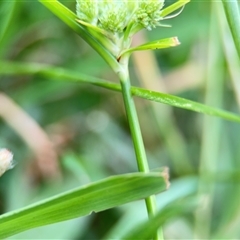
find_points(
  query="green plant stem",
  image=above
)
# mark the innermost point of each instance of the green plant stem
(136, 133)
(233, 18)
(210, 155)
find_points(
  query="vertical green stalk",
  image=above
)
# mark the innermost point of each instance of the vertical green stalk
(231, 56)
(136, 133)
(211, 135)
(233, 18)
(145, 62)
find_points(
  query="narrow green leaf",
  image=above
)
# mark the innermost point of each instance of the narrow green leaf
(175, 6)
(146, 230)
(95, 197)
(8, 68)
(70, 19)
(233, 18)
(6, 13)
(95, 29)
(158, 44)
(184, 103)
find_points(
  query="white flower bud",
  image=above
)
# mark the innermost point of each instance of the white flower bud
(6, 160)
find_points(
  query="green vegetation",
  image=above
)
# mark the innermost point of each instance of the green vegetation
(86, 155)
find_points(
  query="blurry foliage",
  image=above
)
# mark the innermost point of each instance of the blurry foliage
(89, 130)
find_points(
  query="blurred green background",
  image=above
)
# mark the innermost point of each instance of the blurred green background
(66, 134)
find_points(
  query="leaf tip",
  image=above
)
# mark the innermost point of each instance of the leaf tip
(176, 41)
(165, 174)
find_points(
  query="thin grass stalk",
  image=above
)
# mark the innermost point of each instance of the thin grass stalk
(210, 135)
(232, 59)
(150, 77)
(5, 25)
(136, 134)
(233, 18)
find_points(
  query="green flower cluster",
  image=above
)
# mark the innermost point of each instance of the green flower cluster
(114, 22)
(117, 16)
(148, 13)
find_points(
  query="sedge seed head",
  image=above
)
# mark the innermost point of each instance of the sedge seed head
(148, 13)
(87, 10)
(115, 15)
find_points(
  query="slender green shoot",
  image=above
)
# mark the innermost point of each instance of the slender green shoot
(233, 18)
(60, 74)
(136, 133)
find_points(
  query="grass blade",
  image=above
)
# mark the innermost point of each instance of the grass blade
(158, 44)
(233, 18)
(8, 68)
(173, 7)
(184, 103)
(95, 197)
(6, 14)
(70, 19)
(147, 229)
